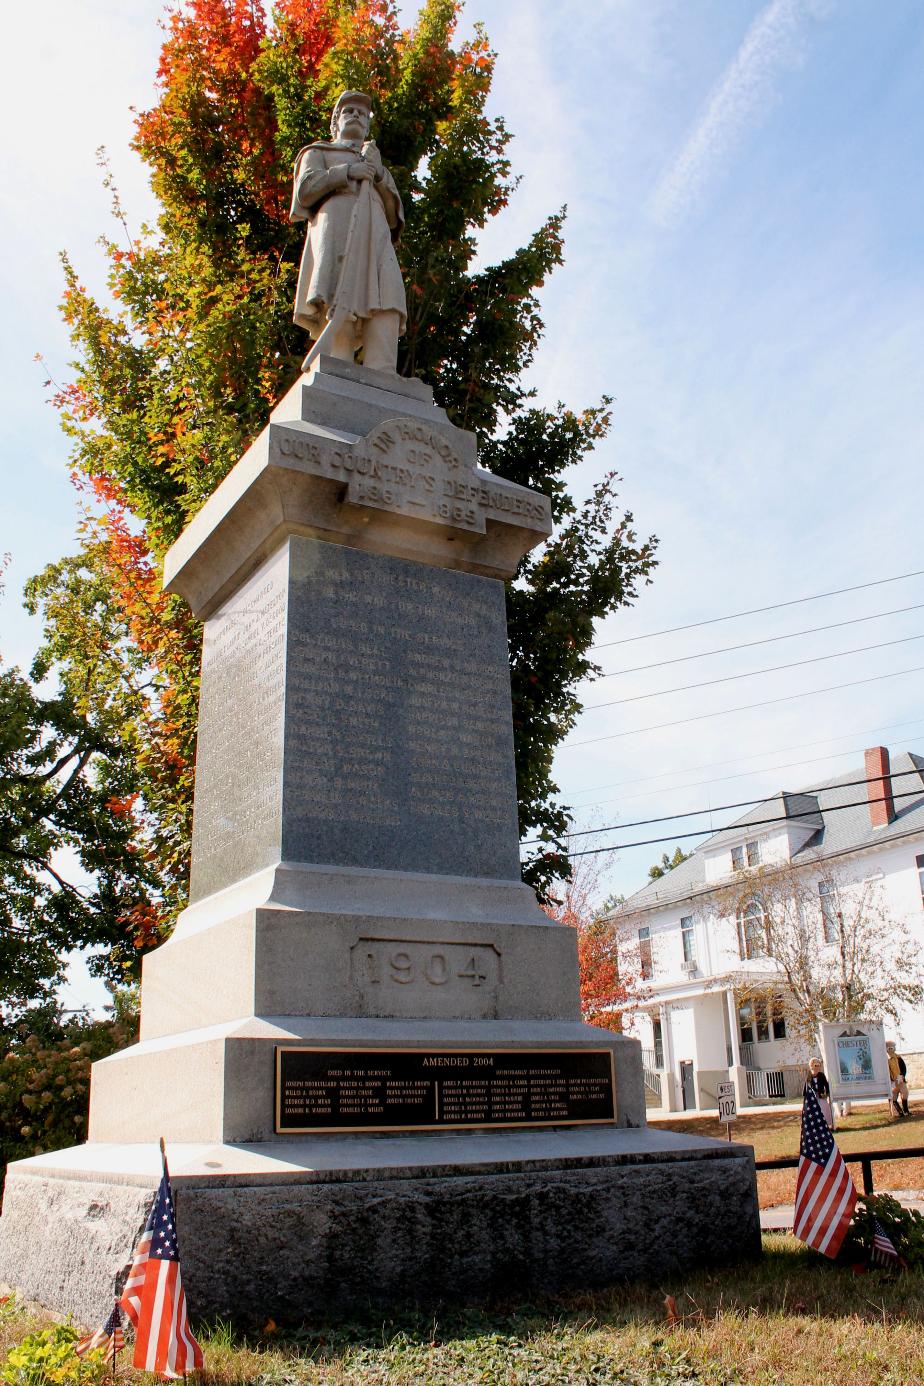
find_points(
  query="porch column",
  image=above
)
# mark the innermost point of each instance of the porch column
(733, 1027)
(737, 1073)
(668, 1077)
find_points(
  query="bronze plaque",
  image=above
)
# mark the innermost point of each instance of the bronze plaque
(435, 1089)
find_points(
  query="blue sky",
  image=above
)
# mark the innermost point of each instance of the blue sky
(745, 245)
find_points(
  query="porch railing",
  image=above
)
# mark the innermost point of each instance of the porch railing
(767, 1084)
(650, 1072)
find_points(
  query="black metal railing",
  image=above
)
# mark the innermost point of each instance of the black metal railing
(865, 1158)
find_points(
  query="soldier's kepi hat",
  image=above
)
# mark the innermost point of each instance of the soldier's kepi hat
(358, 98)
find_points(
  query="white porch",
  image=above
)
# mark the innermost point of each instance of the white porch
(692, 1041)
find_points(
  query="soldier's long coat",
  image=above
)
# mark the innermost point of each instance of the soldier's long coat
(325, 196)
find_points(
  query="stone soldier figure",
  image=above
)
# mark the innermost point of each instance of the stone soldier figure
(350, 292)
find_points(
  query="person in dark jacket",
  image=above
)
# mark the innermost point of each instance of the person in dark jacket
(818, 1083)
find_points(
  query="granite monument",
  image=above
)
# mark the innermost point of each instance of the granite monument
(363, 1041)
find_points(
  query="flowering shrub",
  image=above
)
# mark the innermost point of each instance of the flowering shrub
(45, 1084)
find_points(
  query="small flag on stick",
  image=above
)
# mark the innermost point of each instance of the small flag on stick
(825, 1193)
(153, 1297)
(883, 1251)
(110, 1336)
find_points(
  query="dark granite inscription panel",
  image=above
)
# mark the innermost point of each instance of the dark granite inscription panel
(432, 1089)
(399, 743)
(238, 805)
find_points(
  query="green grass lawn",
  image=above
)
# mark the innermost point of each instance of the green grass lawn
(774, 1134)
(792, 1318)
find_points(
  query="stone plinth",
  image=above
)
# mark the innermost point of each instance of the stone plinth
(363, 459)
(300, 1229)
(216, 1084)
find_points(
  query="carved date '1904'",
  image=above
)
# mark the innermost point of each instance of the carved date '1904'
(404, 963)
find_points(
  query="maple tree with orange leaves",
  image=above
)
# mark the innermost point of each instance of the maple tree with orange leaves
(608, 984)
(177, 370)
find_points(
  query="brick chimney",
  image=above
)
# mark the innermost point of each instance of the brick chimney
(879, 787)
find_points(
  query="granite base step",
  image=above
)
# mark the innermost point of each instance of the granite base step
(295, 1229)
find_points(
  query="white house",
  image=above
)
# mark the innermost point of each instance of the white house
(714, 1006)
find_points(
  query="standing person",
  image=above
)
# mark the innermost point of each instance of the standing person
(818, 1083)
(898, 1073)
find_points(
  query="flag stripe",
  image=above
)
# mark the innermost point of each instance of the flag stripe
(831, 1243)
(156, 1286)
(193, 1350)
(131, 1294)
(826, 1196)
(805, 1191)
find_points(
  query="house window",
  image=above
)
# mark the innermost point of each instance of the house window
(658, 1043)
(919, 862)
(830, 917)
(686, 939)
(752, 930)
(761, 1019)
(748, 854)
(644, 951)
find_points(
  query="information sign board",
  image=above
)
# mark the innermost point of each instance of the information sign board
(855, 1058)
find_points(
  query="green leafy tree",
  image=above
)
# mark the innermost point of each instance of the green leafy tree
(67, 816)
(667, 863)
(177, 372)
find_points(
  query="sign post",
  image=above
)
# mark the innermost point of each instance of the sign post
(728, 1106)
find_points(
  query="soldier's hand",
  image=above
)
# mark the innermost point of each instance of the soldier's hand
(360, 171)
(373, 158)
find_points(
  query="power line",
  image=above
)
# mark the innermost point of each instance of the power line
(723, 779)
(744, 707)
(754, 673)
(759, 610)
(712, 832)
(767, 640)
(758, 755)
(744, 803)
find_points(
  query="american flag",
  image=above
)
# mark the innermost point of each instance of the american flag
(825, 1195)
(109, 1336)
(153, 1296)
(883, 1251)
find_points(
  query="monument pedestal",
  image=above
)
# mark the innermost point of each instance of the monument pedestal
(300, 1229)
(363, 1042)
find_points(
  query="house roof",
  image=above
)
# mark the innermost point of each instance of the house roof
(837, 813)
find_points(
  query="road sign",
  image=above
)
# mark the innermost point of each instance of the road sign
(728, 1107)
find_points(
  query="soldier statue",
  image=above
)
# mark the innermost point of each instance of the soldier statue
(350, 293)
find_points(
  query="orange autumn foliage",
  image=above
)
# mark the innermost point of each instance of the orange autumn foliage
(606, 987)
